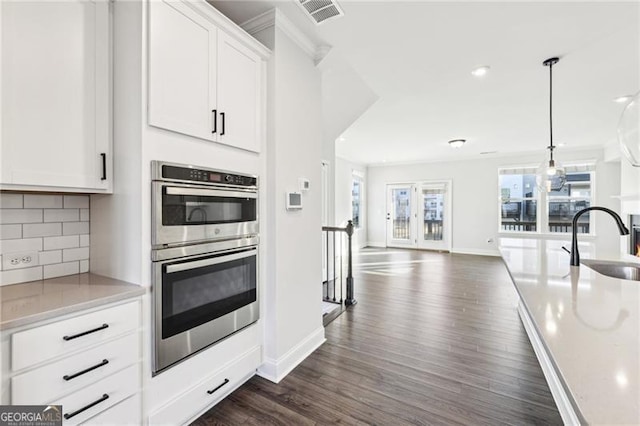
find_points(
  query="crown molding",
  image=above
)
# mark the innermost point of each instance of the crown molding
(275, 18)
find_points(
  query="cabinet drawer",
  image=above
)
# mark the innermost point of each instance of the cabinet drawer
(127, 412)
(55, 380)
(39, 344)
(208, 392)
(96, 398)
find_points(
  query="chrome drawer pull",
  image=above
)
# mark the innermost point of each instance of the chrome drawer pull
(84, 333)
(67, 416)
(80, 373)
(218, 387)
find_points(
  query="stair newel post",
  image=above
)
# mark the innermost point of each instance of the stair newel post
(350, 299)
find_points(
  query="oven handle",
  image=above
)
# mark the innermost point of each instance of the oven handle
(172, 190)
(208, 262)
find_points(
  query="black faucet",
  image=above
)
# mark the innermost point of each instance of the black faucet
(575, 256)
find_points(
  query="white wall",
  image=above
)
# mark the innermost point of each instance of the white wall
(475, 196)
(344, 174)
(293, 292)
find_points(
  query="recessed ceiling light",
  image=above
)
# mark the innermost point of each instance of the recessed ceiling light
(562, 144)
(456, 143)
(480, 71)
(623, 99)
(342, 139)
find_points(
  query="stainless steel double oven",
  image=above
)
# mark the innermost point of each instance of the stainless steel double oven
(205, 258)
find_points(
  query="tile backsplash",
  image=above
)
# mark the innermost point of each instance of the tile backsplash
(56, 227)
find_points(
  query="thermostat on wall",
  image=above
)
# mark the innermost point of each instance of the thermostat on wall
(305, 184)
(294, 200)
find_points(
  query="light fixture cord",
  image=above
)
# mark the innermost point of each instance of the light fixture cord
(551, 147)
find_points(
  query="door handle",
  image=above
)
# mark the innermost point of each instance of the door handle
(388, 216)
(222, 115)
(215, 121)
(104, 166)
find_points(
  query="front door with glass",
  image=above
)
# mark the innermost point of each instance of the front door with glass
(433, 215)
(419, 215)
(401, 214)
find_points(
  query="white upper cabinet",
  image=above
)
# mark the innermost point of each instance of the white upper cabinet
(203, 82)
(238, 94)
(55, 86)
(182, 88)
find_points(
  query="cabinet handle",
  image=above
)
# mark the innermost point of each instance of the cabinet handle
(80, 373)
(215, 121)
(104, 166)
(222, 114)
(84, 333)
(104, 397)
(218, 387)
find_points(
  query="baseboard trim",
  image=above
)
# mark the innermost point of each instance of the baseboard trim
(276, 370)
(563, 401)
(376, 244)
(476, 252)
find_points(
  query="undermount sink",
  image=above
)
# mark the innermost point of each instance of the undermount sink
(625, 271)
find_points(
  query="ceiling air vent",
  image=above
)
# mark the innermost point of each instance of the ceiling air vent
(321, 10)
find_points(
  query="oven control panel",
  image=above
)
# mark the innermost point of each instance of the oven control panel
(199, 175)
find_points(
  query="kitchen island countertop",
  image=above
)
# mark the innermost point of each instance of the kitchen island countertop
(30, 302)
(588, 323)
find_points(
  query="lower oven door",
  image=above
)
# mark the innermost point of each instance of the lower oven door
(200, 300)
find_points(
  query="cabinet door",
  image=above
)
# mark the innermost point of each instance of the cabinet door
(239, 82)
(182, 80)
(55, 94)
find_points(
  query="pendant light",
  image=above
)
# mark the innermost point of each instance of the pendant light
(551, 176)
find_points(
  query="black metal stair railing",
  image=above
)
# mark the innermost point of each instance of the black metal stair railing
(338, 264)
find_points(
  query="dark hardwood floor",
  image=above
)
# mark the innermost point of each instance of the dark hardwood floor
(434, 339)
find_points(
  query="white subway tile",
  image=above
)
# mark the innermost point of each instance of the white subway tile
(42, 201)
(61, 215)
(11, 201)
(10, 232)
(32, 230)
(69, 255)
(20, 275)
(8, 216)
(84, 215)
(75, 228)
(84, 241)
(76, 201)
(84, 266)
(16, 246)
(61, 269)
(56, 243)
(49, 257)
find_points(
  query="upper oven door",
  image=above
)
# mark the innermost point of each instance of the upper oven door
(189, 213)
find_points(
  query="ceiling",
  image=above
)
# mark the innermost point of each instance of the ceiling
(417, 57)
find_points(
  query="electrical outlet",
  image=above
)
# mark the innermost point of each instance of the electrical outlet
(19, 260)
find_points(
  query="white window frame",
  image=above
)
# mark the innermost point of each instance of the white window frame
(542, 207)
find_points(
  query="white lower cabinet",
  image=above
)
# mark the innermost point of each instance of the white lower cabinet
(87, 402)
(88, 362)
(194, 401)
(124, 413)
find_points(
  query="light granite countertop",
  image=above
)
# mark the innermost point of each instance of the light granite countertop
(588, 322)
(27, 303)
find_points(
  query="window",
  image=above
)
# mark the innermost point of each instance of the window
(525, 209)
(574, 196)
(356, 200)
(518, 200)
